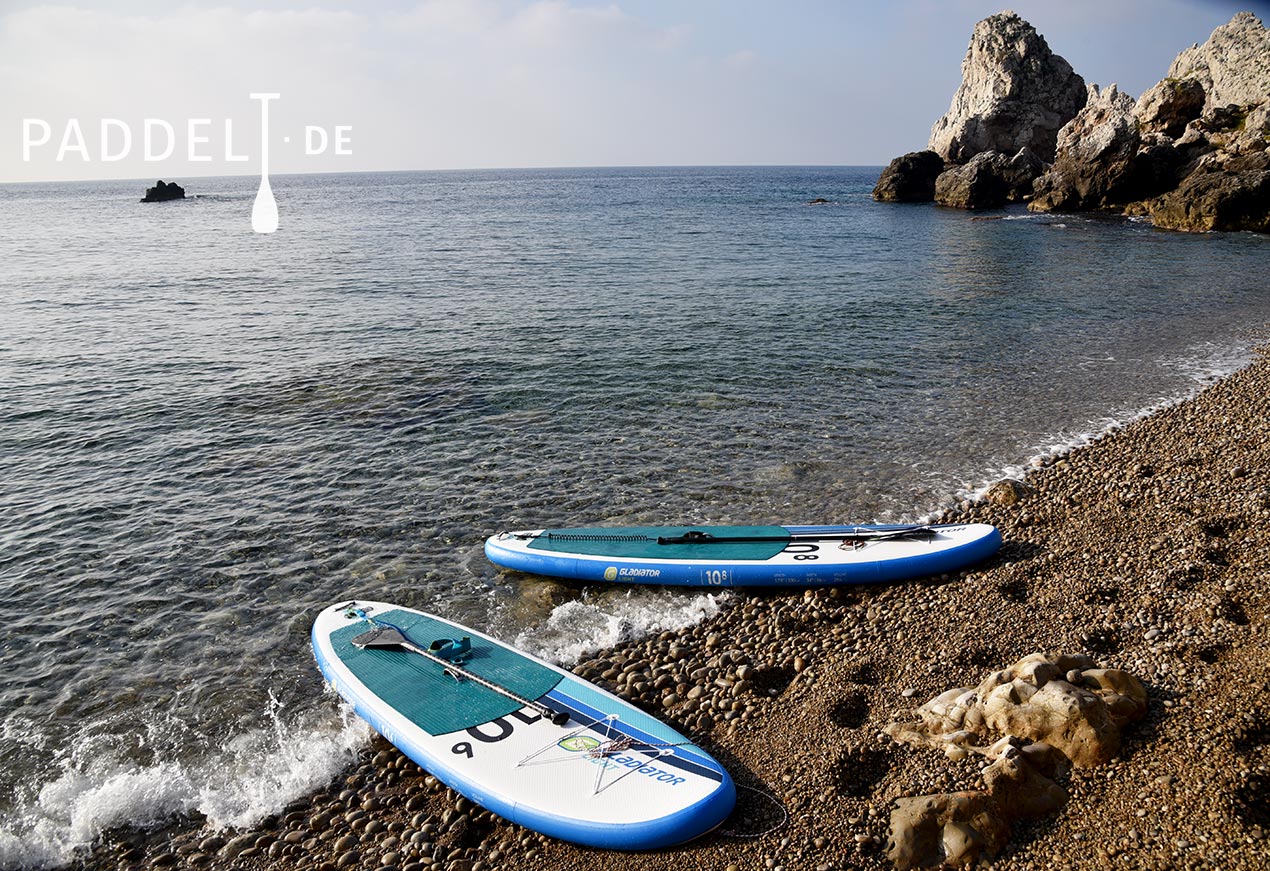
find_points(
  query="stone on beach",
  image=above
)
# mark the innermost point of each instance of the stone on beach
(1051, 711)
(959, 828)
(1033, 700)
(952, 829)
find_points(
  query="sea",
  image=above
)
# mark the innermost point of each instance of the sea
(208, 435)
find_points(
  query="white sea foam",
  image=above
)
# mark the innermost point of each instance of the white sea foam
(73, 809)
(259, 772)
(579, 627)
(251, 776)
(1207, 362)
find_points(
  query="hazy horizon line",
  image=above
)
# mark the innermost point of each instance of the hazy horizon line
(255, 176)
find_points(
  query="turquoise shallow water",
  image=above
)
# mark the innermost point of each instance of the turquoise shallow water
(207, 435)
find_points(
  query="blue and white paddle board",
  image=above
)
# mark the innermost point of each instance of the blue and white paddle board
(546, 749)
(744, 556)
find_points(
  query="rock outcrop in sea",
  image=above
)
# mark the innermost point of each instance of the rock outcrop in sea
(910, 178)
(1190, 153)
(1015, 96)
(163, 191)
(1015, 93)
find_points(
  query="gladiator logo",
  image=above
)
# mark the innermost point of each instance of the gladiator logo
(578, 743)
(610, 574)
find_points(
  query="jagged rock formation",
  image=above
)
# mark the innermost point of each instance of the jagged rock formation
(1052, 712)
(1233, 66)
(909, 178)
(1184, 153)
(1095, 156)
(958, 828)
(989, 180)
(163, 191)
(1015, 93)
(1188, 152)
(1169, 106)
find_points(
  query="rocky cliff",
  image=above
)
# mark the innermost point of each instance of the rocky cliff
(1191, 152)
(1015, 93)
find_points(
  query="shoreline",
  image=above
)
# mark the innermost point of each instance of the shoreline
(1145, 548)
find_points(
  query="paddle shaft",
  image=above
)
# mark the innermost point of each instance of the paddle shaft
(862, 535)
(477, 679)
(557, 717)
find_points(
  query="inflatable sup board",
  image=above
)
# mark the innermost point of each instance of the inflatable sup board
(744, 556)
(519, 736)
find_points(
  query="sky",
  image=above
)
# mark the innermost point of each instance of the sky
(456, 84)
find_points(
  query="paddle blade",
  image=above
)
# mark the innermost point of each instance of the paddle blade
(264, 211)
(383, 636)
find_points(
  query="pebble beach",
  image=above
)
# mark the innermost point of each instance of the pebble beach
(1148, 550)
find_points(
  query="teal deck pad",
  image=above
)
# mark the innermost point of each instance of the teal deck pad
(640, 542)
(420, 690)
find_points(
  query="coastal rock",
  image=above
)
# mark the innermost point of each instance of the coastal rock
(1230, 196)
(1166, 155)
(1154, 170)
(1227, 131)
(1218, 176)
(1007, 491)
(989, 180)
(1168, 106)
(978, 184)
(1033, 700)
(1021, 173)
(163, 191)
(959, 828)
(909, 178)
(1092, 169)
(1233, 66)
(1014, 93)
(955, 828)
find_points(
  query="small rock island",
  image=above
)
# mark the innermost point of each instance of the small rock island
(163, 191)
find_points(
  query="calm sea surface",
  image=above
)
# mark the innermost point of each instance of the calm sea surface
(208, 435)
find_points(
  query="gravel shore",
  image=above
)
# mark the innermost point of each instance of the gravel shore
(1149, 550)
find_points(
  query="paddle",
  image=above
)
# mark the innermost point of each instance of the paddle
(387, 635)
(696, 536)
